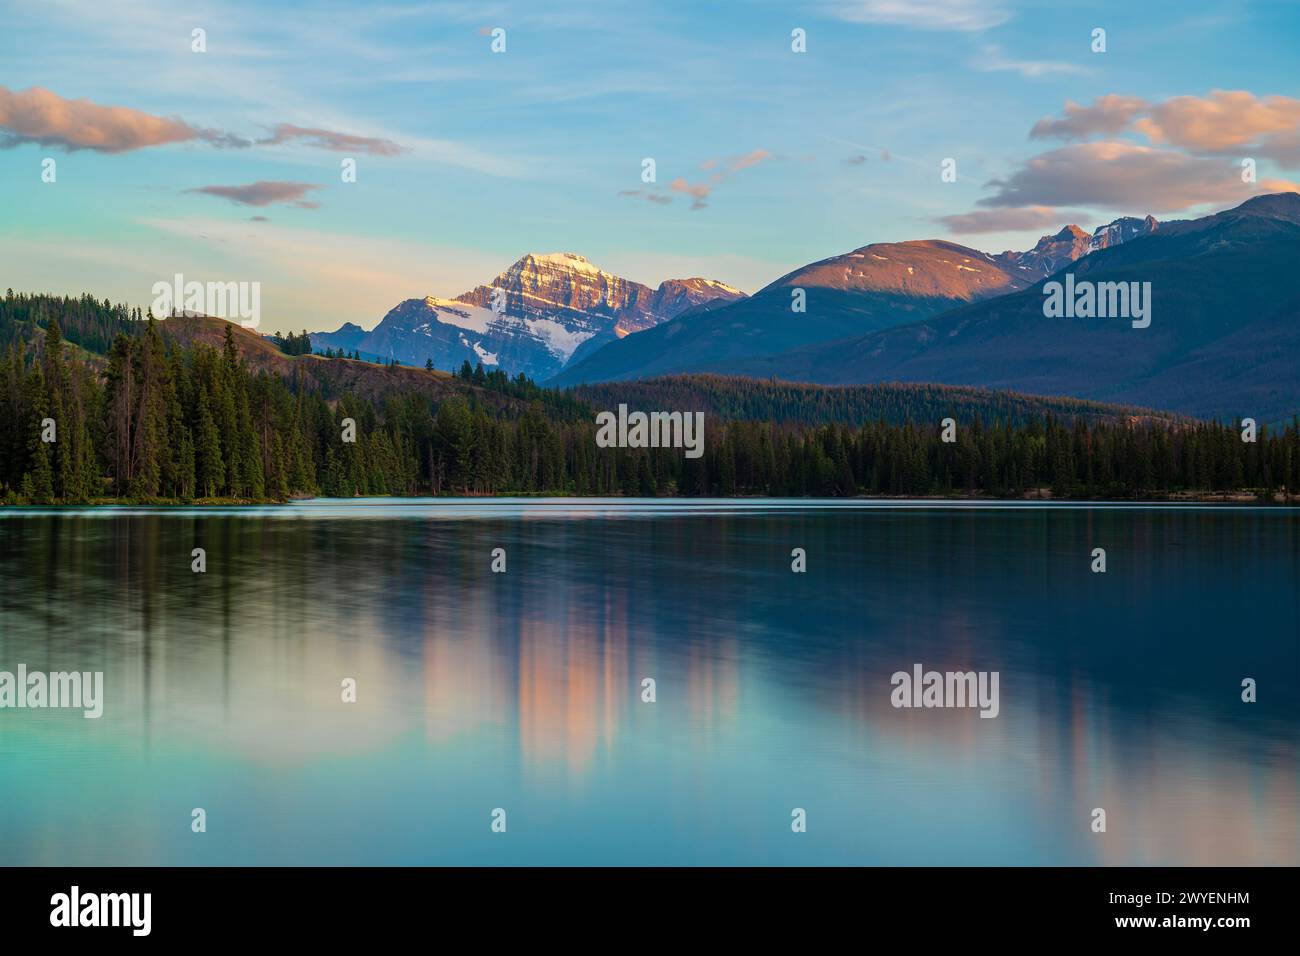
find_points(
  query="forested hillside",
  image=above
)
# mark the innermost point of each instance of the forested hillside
(756, 399)
(85, 322)
(148, 410)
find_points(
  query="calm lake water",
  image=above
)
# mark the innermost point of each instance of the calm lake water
(522, 690)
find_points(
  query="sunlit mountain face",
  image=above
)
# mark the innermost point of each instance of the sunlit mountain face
(533, 319)
(1222, 341)
(875, 287)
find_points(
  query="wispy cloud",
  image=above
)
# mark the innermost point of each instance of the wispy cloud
(720, 170)
(649, 195)
(263, 193)
(737, 163)
(992, 60)
(700, 191)
(332, 140)
(963, 15)
(1002, 220)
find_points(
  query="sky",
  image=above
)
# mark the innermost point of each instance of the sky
(227, 163)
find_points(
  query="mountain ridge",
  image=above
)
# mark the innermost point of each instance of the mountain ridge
(1224, 341)
(867, 289)
(532, 318)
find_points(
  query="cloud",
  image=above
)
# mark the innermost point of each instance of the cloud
(1107, 116)
(737, 163)
(961, 15)
(1228, 121)
(1116, 175)
(332, 140)
(647, 195)
(40, 116)
(1003, 220)
(697, 191)
(1224, 123)
(991, 60)
(263, 193)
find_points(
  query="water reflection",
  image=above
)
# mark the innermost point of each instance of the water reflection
(523, 689)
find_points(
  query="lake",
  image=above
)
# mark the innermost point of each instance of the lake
(773, 690)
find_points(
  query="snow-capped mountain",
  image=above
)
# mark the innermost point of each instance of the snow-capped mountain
(532, 318)
(1054, 252)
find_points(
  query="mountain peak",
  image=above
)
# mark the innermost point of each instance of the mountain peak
(701, 284)
(1122, 230)
(533, 318)
(1067, 234)
(1275, 205)
(558, 256)
(557, 260)
(1072, 243)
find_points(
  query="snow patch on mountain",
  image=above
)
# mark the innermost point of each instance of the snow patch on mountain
(451, 312)
(551, 304)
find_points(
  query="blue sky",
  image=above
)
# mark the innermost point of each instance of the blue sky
(466, 159)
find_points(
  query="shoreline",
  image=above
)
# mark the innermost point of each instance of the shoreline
(1281, 499)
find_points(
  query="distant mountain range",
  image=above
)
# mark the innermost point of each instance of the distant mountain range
(869, 289)
(1054, 252)
(541, 313)
(1224, 340)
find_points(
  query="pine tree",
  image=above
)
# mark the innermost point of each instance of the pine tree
(42, 470)
(210, 468)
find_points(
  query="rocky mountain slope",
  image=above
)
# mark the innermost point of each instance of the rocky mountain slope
(532, 318)
(1224, 339)
(866, 290)
(1054, 252)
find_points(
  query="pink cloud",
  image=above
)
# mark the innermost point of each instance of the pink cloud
(1226, 122)
(333, 140)
(40, 116)
(1003, 220)
(1123, 176)
(737, 163)
(1107, 116)
(697, 191)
